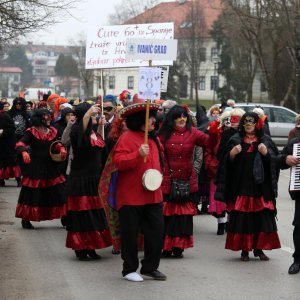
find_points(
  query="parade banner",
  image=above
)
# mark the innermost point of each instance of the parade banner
(151, 49)
(149, 83)
(106, 45)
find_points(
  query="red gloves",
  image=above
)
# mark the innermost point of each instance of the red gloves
(26, 157)
(214, 127)
(63, 153)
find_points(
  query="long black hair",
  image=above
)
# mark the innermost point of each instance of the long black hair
(168, 124)
(37, 117)
(135, 121)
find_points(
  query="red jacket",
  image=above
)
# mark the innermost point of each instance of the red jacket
(131, 167)
(179, 152)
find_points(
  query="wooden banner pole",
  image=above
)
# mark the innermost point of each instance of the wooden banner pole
(147, 117)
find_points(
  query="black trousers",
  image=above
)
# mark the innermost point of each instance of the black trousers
(296, 232)
(147, 219)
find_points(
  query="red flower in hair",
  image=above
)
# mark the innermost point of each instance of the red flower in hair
(260, 124)
(186, 108)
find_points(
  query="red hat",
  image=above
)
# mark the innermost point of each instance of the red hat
(137, 106)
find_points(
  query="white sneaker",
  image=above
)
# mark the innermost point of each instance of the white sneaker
(134, 276)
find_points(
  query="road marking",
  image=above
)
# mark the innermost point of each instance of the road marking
(287, 249)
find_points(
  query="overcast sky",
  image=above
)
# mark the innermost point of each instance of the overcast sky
(87, 11)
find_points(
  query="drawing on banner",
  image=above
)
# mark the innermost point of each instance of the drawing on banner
(149, 83)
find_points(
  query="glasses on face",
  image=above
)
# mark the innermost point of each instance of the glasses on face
(108, 108)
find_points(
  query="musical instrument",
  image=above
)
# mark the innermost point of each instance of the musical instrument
(295, 171)
(152, 179)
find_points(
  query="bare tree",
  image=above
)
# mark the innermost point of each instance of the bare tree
(20, 17)
(191, 47)
(129, 9)
(86, 75)
(264, 25)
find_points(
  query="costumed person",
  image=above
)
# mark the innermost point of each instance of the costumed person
(67, 117)
(247, 182)
(216, 208)
(179, 139)
(8, 165)
(6, 106)
(57, 108)
(18, 113)
(140, 209)
(125, 98)
(43, 185)
(86, 221)
(109, 111)
(235, 117)
(264, 117)
(295, 132)
(203, 180)
(290, 161)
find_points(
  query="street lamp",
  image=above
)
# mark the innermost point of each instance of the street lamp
(216, 61)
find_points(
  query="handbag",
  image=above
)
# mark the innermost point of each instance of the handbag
(180, 189)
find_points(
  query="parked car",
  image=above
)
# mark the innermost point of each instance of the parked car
(281, 120)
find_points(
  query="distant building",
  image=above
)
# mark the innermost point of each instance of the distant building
(10, 81)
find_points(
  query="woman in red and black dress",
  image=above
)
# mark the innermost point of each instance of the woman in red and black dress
(8, 164)
(247, 182)
(42, 194)
(86, 222)
(179, 139)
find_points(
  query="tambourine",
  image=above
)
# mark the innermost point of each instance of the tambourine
(152, 179)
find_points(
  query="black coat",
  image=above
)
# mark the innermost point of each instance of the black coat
(224, 177)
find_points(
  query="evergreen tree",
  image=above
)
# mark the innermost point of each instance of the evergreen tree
(66, 66)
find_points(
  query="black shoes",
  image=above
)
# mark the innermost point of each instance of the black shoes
(166, 254)
(18, 179)
(26, 224)
(86, 255)
(63, 221)
(2, 182)
(177, 252)
(259, 253)
(93, 255)
(245, 256)
(221, 228)
(294, 268)
(82, 255)
(156, 275)
(115, 252)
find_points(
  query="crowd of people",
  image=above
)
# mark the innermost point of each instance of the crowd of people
(115, 177)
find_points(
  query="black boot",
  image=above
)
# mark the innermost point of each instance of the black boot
(18, 179)
(177, 252)
(63, 221)
(2, 182)
(245, 256)
(166, 254)
(93, 255)
(221, 229)
(82, 255)
(259, 253)
(26, 224)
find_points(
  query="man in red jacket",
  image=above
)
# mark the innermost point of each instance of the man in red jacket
(140, 210)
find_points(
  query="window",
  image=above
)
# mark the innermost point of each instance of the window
(214, 83)
(263, 85)
(202, 83)
(40, 62)
(130, 82)
(214, 53)
(111, 82)
(202, 54)
(283, 116)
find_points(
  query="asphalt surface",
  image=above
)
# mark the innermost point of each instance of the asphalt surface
(36, 265)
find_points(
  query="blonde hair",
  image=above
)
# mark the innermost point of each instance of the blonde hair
(237, 112)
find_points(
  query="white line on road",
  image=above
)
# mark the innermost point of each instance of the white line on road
(287, 249)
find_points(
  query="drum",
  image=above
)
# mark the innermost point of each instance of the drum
(152, 179)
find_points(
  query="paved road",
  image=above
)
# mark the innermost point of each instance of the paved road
(36, 265)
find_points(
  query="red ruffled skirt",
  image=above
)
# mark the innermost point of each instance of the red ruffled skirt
(10, 172)
(252, 225)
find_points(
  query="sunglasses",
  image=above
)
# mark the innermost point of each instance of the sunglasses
(108, 108)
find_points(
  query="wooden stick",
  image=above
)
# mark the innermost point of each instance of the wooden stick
(147, 117)
(102, 114)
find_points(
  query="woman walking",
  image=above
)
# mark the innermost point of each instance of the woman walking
(179, 139)
(247, 182)
(86, 222)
